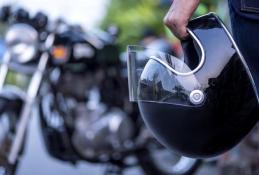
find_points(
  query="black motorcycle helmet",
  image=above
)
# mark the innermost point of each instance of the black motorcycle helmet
(199, 106)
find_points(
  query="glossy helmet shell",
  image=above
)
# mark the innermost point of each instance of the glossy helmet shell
(230, 106)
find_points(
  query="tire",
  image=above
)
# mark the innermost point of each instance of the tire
(7, 169)
(6, 118)
(10, 108)
(152, 164)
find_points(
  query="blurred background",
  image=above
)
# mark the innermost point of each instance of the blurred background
(132, 17)
(107, 26)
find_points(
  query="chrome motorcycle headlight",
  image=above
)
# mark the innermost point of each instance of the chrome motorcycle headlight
(22, 42)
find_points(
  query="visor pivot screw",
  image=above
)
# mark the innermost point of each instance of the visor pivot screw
(196, 97)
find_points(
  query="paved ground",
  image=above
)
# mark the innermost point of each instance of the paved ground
(37, 161)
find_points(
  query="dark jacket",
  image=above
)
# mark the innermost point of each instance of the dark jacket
(246, 8)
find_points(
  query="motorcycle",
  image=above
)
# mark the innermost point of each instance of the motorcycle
(76, 80)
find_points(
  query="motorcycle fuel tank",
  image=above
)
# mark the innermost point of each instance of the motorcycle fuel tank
(203, 104)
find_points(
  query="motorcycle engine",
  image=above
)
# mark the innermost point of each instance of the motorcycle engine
(99, 131)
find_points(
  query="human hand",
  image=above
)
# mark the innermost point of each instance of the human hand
(178, 16)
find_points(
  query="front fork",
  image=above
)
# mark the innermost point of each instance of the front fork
(26, 110)
(29, 101)
(4, 68)
(31, 94)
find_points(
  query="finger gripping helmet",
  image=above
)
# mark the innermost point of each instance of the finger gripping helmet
(201, 105)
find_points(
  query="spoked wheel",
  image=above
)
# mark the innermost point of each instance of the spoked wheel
(157, 160)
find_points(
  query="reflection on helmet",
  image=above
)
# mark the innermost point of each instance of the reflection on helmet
(158, 84)
(201, 114)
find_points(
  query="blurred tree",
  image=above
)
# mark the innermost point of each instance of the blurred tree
(133, 17)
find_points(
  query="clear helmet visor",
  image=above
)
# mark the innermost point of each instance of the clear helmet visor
(155, 76)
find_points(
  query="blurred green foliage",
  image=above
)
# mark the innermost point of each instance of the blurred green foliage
(134, 16)
(2, 29)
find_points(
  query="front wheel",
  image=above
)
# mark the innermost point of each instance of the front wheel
(157, 160)
(7, 169)
(7, 125)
